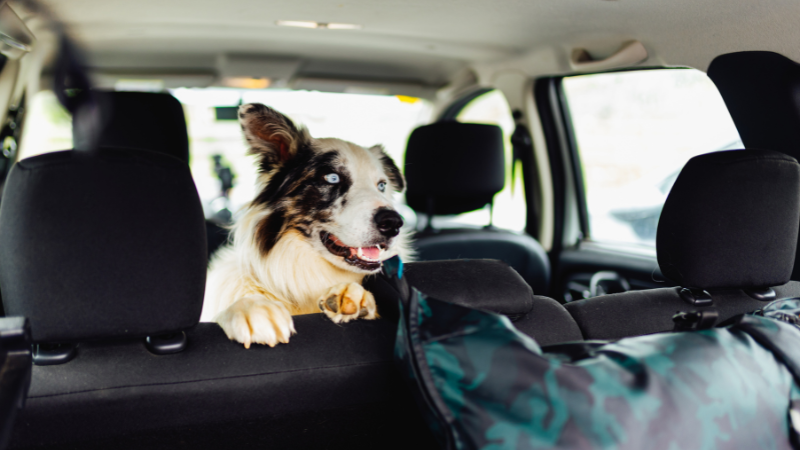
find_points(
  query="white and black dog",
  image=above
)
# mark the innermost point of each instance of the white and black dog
(322, 221)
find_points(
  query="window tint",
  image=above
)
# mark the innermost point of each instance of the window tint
(509, 207)
(635, 131)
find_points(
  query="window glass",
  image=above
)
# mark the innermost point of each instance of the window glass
(216, 142)
(635, 131)
(365, 120)
(509, 204)
(47, 128)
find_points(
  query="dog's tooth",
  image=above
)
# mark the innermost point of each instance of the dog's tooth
(360, 253)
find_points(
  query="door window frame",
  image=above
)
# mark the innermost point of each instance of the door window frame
(571, 214)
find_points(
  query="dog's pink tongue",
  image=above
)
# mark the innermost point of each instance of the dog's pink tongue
(371, 252)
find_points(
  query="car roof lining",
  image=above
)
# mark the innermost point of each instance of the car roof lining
(428, 42)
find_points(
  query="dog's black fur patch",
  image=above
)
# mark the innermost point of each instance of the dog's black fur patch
(389, 167)
(298, 195)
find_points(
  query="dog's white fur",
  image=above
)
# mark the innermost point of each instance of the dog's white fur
(253, 296)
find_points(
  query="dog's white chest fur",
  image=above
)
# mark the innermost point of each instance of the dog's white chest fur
(292, 272)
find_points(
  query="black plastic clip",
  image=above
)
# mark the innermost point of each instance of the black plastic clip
(166, 344)
(53, 354)
(695, 320)
(766, 294)
(696, 297)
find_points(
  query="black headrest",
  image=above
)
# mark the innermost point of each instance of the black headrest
(731, 221)
(760, 90)
(138, 120)
(103, 244)
(459, 167)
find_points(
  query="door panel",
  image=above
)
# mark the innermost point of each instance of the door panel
(577, 266)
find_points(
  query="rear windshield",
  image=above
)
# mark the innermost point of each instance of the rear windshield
(215, 138)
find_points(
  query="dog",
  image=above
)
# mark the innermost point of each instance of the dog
(322, 221)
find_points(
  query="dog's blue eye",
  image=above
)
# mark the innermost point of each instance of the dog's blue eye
(382, 186)
(332, 178)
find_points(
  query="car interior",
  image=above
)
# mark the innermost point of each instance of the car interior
(590, 169)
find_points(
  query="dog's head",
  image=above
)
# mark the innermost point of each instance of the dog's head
(338, 195)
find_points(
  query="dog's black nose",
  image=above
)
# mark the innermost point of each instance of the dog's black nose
(388, 222)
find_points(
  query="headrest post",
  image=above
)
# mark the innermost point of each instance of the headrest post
(431, 207)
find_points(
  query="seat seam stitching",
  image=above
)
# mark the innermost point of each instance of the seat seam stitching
(205, 379)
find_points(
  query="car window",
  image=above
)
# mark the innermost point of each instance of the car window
(363, 119)
(635, 131)
(509, 204)
(215, 138)
(47, 128)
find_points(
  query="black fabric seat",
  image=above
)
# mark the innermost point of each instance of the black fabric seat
(89, 237)
(306, 394)
(729, 227)
(452, 168)
(760, 91)
(106, 248)
(144, 121)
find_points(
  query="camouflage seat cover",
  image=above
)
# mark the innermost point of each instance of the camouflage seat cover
(484, 385)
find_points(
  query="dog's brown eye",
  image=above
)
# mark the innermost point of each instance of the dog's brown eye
(382, 186)
(332, 178)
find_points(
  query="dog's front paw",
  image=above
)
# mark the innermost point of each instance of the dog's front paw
(257, 320)
(348, 301)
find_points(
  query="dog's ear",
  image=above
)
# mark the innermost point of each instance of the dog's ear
(389, 168)
(270, 134)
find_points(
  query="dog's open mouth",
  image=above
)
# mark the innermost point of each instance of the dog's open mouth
(366, 258)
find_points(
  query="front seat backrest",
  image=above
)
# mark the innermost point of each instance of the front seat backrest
(729, 227)
(143, 121)
(73, 226)
(453, 168)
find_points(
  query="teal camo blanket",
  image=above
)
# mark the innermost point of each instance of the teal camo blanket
(482, 384)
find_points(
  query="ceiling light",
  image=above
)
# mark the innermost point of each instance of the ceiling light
(342, 26)
(310, 24)
(246, 82)
(297, 23)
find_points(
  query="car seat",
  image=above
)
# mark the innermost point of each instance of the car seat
(143, 121)
(452, 168)
(105, 252)
(759, 89)
(727, 236)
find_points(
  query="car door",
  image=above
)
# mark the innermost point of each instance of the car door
(617, 142)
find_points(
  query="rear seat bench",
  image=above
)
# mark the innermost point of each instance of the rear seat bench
(106, 248)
